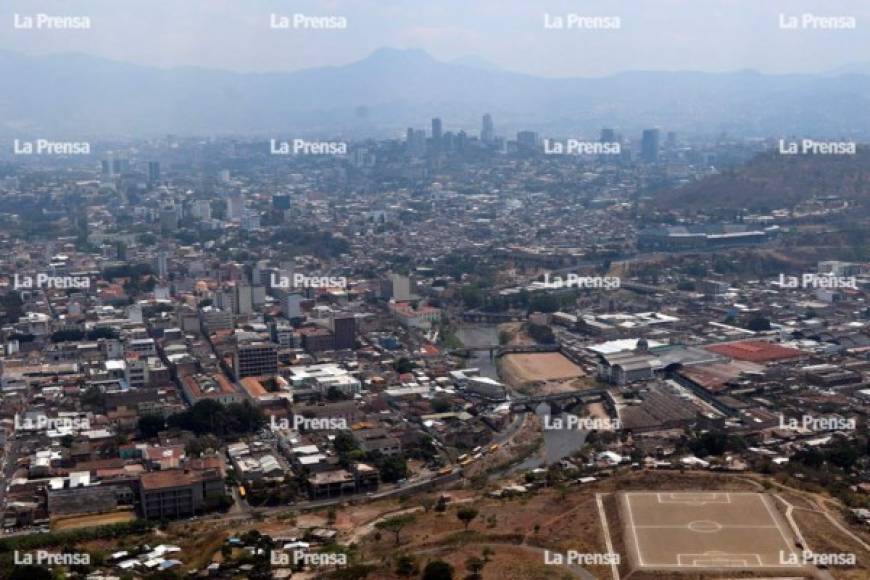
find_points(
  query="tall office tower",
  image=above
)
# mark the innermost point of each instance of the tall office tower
(201, 209)
(106, 166)
(527, 141)
(649, 145)
(671, 141)
(244, 298)
(293, 306)
(487, 131)
(235, 207)
(416, 142)
(607, 136)
(153, 171)
(162, 264)
(344, 331)
(401, 288)
(436, 129)
(120, 166)
(168, 219)
(281, 202)
(255, 359)
(436, 134)
(224, 175)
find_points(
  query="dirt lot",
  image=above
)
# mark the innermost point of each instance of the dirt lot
(92, 520)
(540, 366)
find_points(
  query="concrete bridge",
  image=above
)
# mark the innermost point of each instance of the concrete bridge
(496, 350)
(557, 400)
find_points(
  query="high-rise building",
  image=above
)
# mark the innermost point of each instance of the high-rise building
(281, 201)
(437, 136)
(607, 136)
(436, 130)
(293, 306)
(244, 300)
(401, 288)
(201, 209)
(254, 359)
(162, 264)
(153, 171)
(235, 207)
(649, 145)
(168, 219)
(416, 141)
(527, 141)
(344, 329)
(487, 130)
(106, 167)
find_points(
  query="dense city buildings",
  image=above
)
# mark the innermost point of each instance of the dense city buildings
(604, 327)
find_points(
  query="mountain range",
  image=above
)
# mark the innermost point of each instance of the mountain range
(77, 96)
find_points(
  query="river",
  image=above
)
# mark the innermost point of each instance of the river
(558, 443)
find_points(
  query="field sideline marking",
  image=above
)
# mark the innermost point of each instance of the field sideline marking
(781, 533)
(634, 531)
(614, 568)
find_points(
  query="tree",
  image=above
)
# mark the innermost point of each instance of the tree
(392, 468)
(406, 565)
(474, 565)
(93, 398)
(758, 323)
(427, 502)
(30, 572)
(438, 570)
(150, 425)
(395, 524)
(403, 365)
(467, 515)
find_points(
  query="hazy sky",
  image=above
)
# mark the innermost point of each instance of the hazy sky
(709, 35)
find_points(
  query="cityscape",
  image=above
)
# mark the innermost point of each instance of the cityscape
(411, 315)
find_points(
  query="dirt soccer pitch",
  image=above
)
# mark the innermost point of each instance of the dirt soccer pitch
(694, 531)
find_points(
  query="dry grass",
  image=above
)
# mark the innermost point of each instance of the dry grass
(91, 520)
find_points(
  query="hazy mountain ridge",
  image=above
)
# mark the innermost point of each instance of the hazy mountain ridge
(77, 95)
